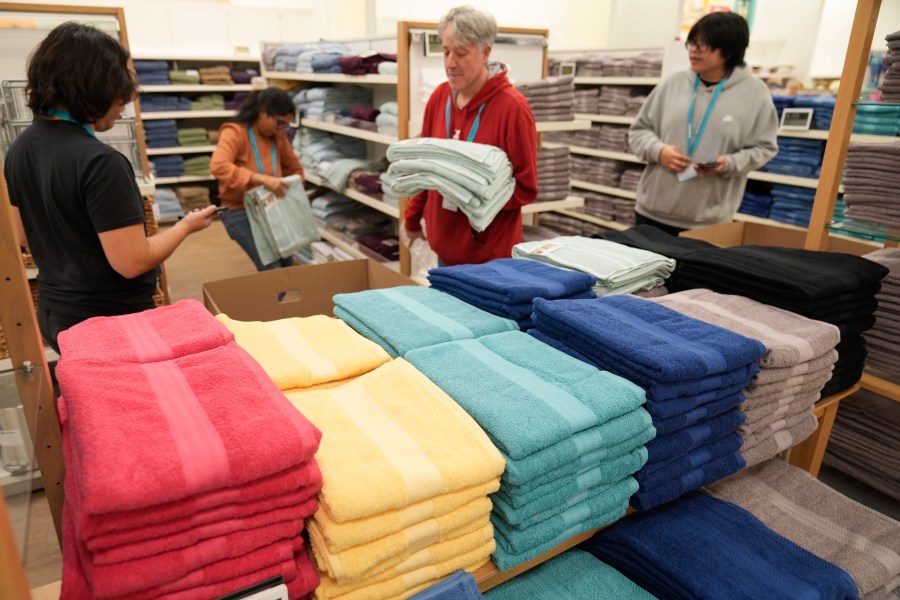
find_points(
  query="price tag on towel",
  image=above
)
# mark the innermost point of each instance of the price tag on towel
(450, 205)
(545, 248)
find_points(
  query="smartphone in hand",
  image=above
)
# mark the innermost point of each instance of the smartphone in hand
(708, 165)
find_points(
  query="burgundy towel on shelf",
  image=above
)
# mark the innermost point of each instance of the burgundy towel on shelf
(388, 248)
(368, 183)
(365, 113)
(361, 65)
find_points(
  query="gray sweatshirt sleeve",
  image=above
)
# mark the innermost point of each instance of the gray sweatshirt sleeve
(643, 136)
(761, 145)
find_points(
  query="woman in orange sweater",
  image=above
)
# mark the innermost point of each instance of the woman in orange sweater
(254, 150)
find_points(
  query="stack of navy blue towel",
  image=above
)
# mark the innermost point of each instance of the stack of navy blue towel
(169, 165)
(152, 72)
(161, 134)
(798, 157)
(792, 204)
(823, 109)
(782, 102)
(507, 286)
(692, 372)
(163, 102)
(757, 199)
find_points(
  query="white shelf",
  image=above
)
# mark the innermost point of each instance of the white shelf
(617, 80)
(371, 136)
(765, 221)
(199, 87)
(553, 205)
(577, 125)
(360, 197)
(822, 134)
(604, 189)
(199, 57)
(183, 179)
(187, 114)
(595, 220)
(332, 77)
(611, 154)
(13, 485)
(180, 150)
(614, 119)
(806, 182)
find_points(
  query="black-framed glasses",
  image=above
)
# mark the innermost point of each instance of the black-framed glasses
(697, 47)
(283, 122)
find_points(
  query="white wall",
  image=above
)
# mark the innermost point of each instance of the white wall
(784, 33)
(834, 34)
(643, 23)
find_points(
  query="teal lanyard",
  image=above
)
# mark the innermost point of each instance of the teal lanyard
(475, 125)
(256, 154)
(67, 117)
(693, 140)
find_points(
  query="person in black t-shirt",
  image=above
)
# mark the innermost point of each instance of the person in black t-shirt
(74, 198)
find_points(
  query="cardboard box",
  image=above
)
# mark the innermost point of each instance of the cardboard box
(296, 291)
(740, 233)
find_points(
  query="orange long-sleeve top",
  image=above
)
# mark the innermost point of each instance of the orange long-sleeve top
(233, 161)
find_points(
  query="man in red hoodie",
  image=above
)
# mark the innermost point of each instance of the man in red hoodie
(477, 104)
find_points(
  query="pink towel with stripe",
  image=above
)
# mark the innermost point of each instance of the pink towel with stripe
(177, 428)
(164, 333)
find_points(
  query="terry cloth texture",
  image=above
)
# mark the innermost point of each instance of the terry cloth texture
(686, 549)
(693, 373)
(788, 500)
(791, 342)
(881, 340)
(827, 286)
(427, 471)
(426, 317)
(545, 412)
(507, 286)
(618, 269)
(653, 239)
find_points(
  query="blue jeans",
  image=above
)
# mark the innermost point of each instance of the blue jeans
(238, 227)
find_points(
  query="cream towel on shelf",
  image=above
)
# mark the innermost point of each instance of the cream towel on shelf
(303, 352)
(410, 455)
(343, 536)
(371, 558)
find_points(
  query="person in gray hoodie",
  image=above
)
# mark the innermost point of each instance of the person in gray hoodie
(703, 130)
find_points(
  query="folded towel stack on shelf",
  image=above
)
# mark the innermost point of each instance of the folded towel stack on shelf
(586, 101)
(152, 72)
(308, 57)
(870, 182)
(387, 120)
(167, 201)
(703, 547)
(315, 148)
(587, 432)
(429, 316)
(192, 196)
(782, 102)
(890, 86)
(197, 166)
(633, 104)
(630, 178)
(757, 200)
(798, 362)
(184, 76)
(477, 177)
(208, 102)
(142, 522)
(192, 136)
(362, 221)
(235, 101)
(318, 103)
(507, 286)
(618, 269)
(163, 103)
(647, 64)
(167, 165)
(614, 99)
(823, 109)
(883, 340)
(602, 171)
(554, 174)
(216, 75)
(792, 204)
(590, 65)
(364, 64)
(691, 371)
(243, 76)
(161, 134)
(624, 211)
(561, 225)
(550, 99)
(611, 137)
(798, 157)
(412, 512)
(877, 119)
(833, 287)
(598, 205)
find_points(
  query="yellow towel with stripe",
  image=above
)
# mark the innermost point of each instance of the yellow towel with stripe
(299, 353)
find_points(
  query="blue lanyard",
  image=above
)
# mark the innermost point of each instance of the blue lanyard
(67, 117)
(256, 154)
(693, 140)
(475, 125)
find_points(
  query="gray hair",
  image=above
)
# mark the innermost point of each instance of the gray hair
(471, 26)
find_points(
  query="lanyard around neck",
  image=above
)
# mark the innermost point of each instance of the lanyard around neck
(67, 117)
(475, 125)
(256, 154)
(692, 139)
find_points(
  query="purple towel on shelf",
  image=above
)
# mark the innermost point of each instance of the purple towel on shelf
(359, 65)
(364, 113)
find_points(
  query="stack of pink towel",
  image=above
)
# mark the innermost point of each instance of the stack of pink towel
(189, 474)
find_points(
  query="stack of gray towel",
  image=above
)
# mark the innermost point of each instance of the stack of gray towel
(600, 171)
(871, 180)
(624, 211)
(618, 67)
(613, 99)
(590, 65)
(567, 226)
(554, 175)
(550, 99)
(598, 205)
(387, 120)
(320, 102)
(883, 339)
(612, 137)
(631, 176)
(633, 105)
(647, 64)
(587, 101)
(316, 148)
(890, 88)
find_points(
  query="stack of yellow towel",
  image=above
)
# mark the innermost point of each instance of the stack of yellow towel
(406, 474)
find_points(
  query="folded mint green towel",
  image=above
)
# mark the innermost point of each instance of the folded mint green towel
(526, 395)
(401, 319)
(548, 494)
(573, 575)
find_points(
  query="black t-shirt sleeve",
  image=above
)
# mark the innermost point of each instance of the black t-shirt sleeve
(8, 174)
(110, 193)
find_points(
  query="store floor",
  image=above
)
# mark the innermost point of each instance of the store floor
(210, 255)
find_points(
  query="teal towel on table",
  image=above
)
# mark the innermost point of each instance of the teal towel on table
(573, 575)
(530, 521)
(404, 318)
(607, 472)
(526, 395)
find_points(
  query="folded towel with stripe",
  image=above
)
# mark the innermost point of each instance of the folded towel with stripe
(676, 486)
(684, 440)
(163, 333)
(426, 317)
(303, 352)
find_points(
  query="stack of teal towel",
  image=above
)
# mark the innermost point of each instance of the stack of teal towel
(571, 436)
(693, 373)
(404, 318)
(619, 269)
(877, 119)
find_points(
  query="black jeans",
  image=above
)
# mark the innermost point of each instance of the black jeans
(640, 219)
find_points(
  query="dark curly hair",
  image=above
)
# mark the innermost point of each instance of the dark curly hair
(274, 101)
(80, 68)
(726, 31)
